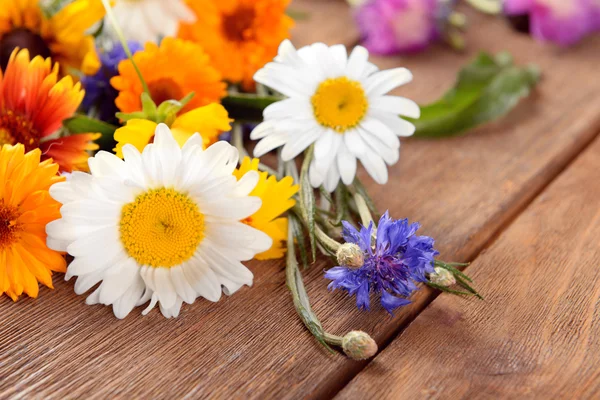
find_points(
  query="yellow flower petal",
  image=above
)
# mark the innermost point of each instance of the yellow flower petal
(209, 121)
(137, 132)
(277, 198)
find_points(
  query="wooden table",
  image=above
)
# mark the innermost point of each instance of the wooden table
(520, 198)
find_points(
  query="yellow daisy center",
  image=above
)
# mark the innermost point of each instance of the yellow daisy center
(161, 228)
(8, 225)
(339, 104)
(16, 129)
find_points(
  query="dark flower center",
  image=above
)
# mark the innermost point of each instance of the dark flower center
(24, 39)
(237, 26)
(164, 89)
(16, 129)
(8, 224)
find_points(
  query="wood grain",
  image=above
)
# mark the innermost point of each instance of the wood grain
(252, 345)
(537, 334)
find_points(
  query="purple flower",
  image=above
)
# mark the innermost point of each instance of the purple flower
(564, 22)
(400, 26)
(393, 262)
(98, 91)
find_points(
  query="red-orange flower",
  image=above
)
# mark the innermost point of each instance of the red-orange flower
(33, 104)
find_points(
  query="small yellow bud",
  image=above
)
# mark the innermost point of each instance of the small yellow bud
(350, 255)
(358, 345)
(442, 277)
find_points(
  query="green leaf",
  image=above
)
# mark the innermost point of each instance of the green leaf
(248, 107)
(486, 89)
(84, 124)
(299, 236)
(341, 205)
(307, 201)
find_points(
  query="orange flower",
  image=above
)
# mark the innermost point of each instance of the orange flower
(33, 104)
(25, 209)
(240, 36)
(63, 36)
(171, 71)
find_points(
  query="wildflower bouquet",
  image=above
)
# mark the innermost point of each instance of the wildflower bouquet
(169, 208)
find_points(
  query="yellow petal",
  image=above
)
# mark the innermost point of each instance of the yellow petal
(209, 121)
(137, 132)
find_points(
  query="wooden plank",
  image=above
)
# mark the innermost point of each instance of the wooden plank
(537, 334)
(463, 190)
(327, 21)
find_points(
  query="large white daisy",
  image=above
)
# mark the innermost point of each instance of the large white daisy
(150, 20)
(339, 103)
(161, 226)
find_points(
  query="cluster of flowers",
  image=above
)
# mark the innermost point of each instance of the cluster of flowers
(166, 212)
(405, 26)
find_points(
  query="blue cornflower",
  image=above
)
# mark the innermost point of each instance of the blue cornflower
(393, 261)
(98, 90)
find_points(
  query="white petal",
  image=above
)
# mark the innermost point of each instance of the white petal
(354, 143)
(357, 62)
(181, 285)
(123, 306)
(375, 167)
(164, 288)
(339, 57)
(194, 140)
(399, 126)
(346, 163)
(324, 144)
(389, 154)
(234, 208)
(315, 175)
(202, 279)
(332, 179)
(396, 105)
(269, 143)
(263, 129)
(115, 284)
(381, 132)
(299, 142)
(246, 184)
(382, 82)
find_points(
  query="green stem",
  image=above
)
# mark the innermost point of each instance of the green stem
(299, 296)
(333, 340)
(123, 41)
(363, 209)
(237, 139)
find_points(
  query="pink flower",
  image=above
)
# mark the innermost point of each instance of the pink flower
(399, 26)
(564, 22)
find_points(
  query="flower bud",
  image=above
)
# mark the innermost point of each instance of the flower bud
(442, 277)
(350, 255)
(358, 345)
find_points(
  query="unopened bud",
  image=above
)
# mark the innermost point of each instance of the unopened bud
(442, 277)
(350, 255)
(358, 345)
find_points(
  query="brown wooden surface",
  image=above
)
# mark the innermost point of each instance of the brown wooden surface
(537, 334)
(464, 191)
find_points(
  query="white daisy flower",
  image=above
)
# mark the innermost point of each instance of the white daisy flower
(339, 103)
(149, 20)
(161, 226)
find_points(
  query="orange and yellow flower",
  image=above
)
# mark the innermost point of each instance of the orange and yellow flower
(172, 71)
(25, 209)
(33, 104)
(277, 198)
(209, 121)
(240, 36)
(63, 36)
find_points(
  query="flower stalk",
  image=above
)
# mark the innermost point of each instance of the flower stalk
(119, 32)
